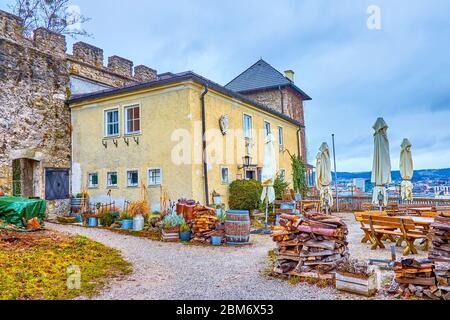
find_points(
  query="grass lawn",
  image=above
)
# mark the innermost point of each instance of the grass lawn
(35, 266)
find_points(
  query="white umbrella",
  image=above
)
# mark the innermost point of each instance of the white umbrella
(269, 174)
(406, 170)
(323, 176)
(381, 171)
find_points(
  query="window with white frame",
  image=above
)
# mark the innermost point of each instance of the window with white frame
(154, 177)
(248, 126)
(225, 175)
(112, 123)
(133, 119)
(132, 178)
(93, 180)
(281, 137)
(282, 175)
(112, 179)
(267, 128)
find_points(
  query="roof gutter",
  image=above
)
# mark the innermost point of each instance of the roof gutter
(205, 160)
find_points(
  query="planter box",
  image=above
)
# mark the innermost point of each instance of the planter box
(170, 236)
(354, 284)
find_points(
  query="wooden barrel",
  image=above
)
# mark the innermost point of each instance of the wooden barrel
(237, 227)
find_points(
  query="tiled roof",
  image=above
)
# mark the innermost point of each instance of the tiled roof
(261, 76)
(183, 76)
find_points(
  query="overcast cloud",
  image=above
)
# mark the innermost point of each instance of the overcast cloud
(353, 74)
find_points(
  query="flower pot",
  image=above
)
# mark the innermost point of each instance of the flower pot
(216, 241)
(180, 208)
(93, 222)
(138, 223)
(185, 236)
(188, 212)
(217, 200)
(220, 226)
(127, 224)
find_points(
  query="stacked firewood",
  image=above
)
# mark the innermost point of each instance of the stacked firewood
(442, 272)
(356, 267)
(203, 225)
(440, 236)
(314, 245)
(416, 278)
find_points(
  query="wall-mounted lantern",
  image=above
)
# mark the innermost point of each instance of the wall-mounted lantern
(247, 162)
(105, 144)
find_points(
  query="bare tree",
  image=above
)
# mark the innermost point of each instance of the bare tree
(55, 15)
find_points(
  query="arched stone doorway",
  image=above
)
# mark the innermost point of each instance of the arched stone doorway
(26, 178)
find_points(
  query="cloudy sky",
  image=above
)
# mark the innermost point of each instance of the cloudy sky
(354, 75)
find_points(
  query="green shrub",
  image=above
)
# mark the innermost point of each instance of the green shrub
(280, 188)
(245, 195)
(107, 219)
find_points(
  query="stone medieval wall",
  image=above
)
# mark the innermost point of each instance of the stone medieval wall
(34, 85)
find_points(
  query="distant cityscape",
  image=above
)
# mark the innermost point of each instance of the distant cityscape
(427, 183)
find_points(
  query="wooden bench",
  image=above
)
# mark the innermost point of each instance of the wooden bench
(366, 227)
(405, 228)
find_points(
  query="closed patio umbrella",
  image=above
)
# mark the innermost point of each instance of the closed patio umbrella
(323, 176)
(381, 171)
(406, 170)
(269, 174)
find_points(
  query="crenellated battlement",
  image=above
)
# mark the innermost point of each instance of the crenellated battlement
(118, 71)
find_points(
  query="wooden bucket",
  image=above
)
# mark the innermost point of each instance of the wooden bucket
(237, 227)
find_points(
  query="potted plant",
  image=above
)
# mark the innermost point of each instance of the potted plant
(220, 224)
(107, 219)
(170, 226)
(217, 198)
(185, 232)
(127, 221)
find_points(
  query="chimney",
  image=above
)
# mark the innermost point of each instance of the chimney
(143, 73)
(88, 54)
(289, 74)
(121, 66)
(47, 40)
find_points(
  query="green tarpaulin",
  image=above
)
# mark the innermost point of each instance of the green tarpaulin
(18, 211)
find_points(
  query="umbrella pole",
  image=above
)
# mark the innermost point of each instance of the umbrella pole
(267, 213)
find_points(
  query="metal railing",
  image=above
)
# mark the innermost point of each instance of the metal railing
(355, 203)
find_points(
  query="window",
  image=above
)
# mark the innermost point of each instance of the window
(250, 175)
(224, 175)
(154, 177)
(93, 180)
(248, 126)
(282, 175)
(280, 137)
(112, 123)
(112, 179)
(132, 120)
(132, 178)
(267, 128)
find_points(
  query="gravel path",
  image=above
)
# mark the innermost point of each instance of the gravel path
(176, 271)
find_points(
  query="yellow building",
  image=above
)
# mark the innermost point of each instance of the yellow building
(151, 134)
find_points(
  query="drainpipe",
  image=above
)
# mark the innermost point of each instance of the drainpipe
(205, 164)
(282, 99)
(298, 142)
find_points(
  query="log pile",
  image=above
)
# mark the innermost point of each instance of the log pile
(442, 272)
(358, 268)
(440, 236)
(307, 246)
(203, 225)
(416, 278)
